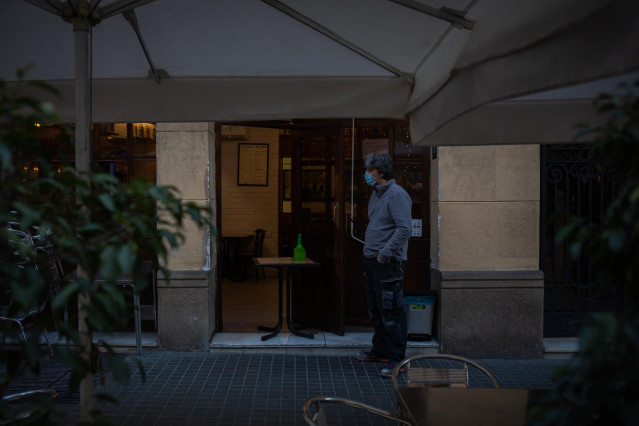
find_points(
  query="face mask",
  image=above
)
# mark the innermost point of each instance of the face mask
(369, 179)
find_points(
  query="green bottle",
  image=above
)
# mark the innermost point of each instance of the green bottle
(299, 253)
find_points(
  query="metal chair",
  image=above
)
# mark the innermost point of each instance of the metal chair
(315, 414)
(29, 251)
(139, 311)
(30, 407)
(411, 395)
(455, 376)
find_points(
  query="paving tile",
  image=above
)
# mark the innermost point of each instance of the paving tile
(257, 388)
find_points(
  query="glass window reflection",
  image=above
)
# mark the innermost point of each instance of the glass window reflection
(410, 177)
(404, 148)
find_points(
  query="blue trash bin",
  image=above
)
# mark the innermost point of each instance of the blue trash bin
(419, 315)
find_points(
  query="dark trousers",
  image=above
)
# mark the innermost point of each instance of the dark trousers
(384, 297)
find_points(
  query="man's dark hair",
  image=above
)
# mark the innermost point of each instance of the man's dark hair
(382, 162)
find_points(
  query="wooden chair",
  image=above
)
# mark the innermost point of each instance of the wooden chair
(257, 250)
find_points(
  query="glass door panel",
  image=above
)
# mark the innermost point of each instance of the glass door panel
(316, 293)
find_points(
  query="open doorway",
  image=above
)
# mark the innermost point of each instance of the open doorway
(248, 194)
(312, 166)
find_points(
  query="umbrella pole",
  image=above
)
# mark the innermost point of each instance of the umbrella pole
(81, 29)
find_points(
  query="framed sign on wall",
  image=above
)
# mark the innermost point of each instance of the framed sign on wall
(252, 164)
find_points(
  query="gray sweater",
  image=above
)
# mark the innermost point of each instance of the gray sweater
(389, 222)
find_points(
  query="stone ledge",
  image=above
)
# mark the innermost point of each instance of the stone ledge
(197, 126)
(185, 279)
(490, 279)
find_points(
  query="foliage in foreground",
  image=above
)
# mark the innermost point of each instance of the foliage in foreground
(601, 386)
(92, 220)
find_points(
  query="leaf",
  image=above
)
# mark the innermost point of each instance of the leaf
(107, 201)
(616, 239)
(63, 222)
(566, 231)
(171, 237)
(576, 249)
(6, 159)
(109, 262)
(159, 193)
(90, 227)
(28, 215)
(104, 179)
(126, 259)
(119, 369)
(62, 298)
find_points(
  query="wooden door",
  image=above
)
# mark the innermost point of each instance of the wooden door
(317, 295)
(412, 173)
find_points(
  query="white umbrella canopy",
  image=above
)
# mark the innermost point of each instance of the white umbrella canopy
(430, 60)
(590, 45)
(549, 117)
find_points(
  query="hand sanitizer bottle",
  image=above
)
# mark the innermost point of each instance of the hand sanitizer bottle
(299, 253)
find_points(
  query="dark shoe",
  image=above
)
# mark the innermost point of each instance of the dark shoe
(369, 356)
(387, 370)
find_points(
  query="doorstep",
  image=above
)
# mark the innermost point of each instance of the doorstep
(121, 342)
(560, 347)
(283, 343)
(322, 344)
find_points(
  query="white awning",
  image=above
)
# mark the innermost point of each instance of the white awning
(433, 61)
(549, 117)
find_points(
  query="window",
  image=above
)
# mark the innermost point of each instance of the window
(125, 150)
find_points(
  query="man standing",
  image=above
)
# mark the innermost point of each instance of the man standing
(385, 248)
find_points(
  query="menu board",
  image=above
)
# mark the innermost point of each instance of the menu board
(370, 146)
(252, 164)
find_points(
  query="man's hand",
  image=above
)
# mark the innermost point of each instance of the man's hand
(382, 259)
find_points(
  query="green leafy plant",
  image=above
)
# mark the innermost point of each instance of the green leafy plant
(601, 385)
(92, 221)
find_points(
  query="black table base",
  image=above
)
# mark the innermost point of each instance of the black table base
(275, 330)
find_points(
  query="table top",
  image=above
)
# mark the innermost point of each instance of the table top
(470, 406)
(283, 261)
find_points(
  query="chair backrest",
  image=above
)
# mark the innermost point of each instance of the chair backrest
(37, 252)
(441, 377)
(260, 234)
(454, 375)
(22, 244)
(51, 269)
(315, 414)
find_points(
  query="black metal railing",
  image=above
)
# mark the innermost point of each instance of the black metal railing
(572, 183)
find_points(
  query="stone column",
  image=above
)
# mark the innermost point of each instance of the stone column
(485, 251)
(186, 302)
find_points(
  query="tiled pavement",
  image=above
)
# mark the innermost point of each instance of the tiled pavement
(255, 388)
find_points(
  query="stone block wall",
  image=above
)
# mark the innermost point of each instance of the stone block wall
(186, 309)
(485, 250)
(245, 208)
